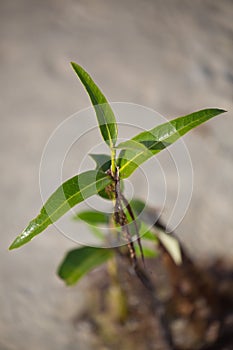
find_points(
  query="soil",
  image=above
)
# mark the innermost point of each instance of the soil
(197, 300)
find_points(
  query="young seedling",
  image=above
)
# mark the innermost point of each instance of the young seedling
(106, 181)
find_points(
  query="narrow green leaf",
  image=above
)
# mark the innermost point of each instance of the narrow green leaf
(158, 139)
(132, 144)
(79, 262)
(104, 113)
(70, 193)
(93, 217)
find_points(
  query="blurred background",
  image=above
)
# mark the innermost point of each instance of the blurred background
(174, 56)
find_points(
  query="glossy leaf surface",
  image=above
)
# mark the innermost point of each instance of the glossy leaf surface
(104, 113)
(155, 140)
(80, 261)
(70, 193)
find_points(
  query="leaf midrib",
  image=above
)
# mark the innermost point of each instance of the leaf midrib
(139, 154)
(96, 103)
(57, 209)
(106, 124)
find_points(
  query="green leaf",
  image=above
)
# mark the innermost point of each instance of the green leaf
(131, 144)
(137, 205)
(103, 161)
(158, 139)
(147, 252)
(104, 113)
(70, 193)
(93, 217)
(97, 232)
(79, 262)
(148, 234)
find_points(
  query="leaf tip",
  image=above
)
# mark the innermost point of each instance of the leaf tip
(74, 66)
(13, 245)
(19, 241)
(222, 110)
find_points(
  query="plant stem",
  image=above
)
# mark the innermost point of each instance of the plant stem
(130, 211)
(156, 305)
(121, 219)
(113, 161)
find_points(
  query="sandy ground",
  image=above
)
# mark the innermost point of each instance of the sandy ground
(174, 56)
